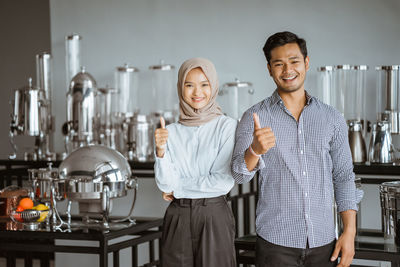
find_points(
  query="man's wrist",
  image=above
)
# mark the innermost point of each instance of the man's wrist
(253, 153)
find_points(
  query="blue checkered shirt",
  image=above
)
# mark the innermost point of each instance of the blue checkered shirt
(300, 177)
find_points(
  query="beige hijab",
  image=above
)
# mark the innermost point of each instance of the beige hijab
(194, 117)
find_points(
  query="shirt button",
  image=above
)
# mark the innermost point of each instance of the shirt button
(306, 195)
(306, 216)
(301, 152)
(304, 173)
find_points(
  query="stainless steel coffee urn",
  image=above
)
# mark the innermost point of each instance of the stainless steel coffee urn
(82, 123)
(94, 175)
(235, 98)
(31, 115)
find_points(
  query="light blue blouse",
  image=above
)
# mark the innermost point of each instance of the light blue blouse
(196, 163)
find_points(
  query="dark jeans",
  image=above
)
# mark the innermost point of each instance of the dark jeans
(271, 255)
(198, 233)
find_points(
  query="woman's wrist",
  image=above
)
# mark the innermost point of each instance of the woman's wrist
(160, 152)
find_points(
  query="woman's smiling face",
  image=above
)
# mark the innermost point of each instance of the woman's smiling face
(196, 89)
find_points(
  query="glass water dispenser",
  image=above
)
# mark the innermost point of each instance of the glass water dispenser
(235, 98)
(163, 90)
(325, 84)
(72, 56)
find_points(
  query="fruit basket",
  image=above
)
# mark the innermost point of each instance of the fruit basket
(30, 216)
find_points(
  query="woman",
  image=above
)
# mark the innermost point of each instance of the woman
(192, 170)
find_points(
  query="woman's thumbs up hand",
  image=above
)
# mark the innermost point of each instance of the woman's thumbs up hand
(161, 138)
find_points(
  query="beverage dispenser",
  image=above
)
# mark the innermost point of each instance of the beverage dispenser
(235, 98)
(125, 103)
(381, 148)
(163, 90)
(72, 56)
(349, 98)
(325, 84)
(388, 96)
(106, 99)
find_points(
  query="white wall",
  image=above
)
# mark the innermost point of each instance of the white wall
(229, 32)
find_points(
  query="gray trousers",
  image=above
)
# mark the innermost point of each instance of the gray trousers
(198, 233)
(271, 255)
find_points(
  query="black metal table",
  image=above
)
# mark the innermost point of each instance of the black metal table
(369, 245)
(14, 241)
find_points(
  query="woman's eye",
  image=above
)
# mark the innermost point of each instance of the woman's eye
(205, 85)
(188, 85)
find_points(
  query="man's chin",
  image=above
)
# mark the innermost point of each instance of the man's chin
(288, 90)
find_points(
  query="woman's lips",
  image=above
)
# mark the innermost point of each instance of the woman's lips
(198, 99)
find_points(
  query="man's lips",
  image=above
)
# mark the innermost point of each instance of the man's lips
(289, 78)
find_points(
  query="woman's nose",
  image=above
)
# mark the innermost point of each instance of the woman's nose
(197, 90)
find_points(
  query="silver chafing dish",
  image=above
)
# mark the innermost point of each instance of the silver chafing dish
(94, 175)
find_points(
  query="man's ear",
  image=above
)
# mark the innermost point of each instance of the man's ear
(307, 61)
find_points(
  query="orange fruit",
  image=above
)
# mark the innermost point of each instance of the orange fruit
(19, 209)
(26, 203)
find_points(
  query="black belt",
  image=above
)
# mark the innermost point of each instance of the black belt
(189, 202)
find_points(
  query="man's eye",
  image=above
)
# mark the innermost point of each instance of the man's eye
(295, 62)
(278, 65)
(205, 85)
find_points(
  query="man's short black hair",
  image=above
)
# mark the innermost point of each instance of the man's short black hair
(280, 39)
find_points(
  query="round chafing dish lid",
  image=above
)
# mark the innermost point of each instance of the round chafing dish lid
(390, 187)
(95, 163)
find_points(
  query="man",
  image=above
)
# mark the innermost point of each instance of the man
(300, 147)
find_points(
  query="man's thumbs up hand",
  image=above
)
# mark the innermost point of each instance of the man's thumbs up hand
(161, 138)
(263, 138)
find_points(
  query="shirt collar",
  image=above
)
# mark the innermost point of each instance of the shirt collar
(275, 98)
